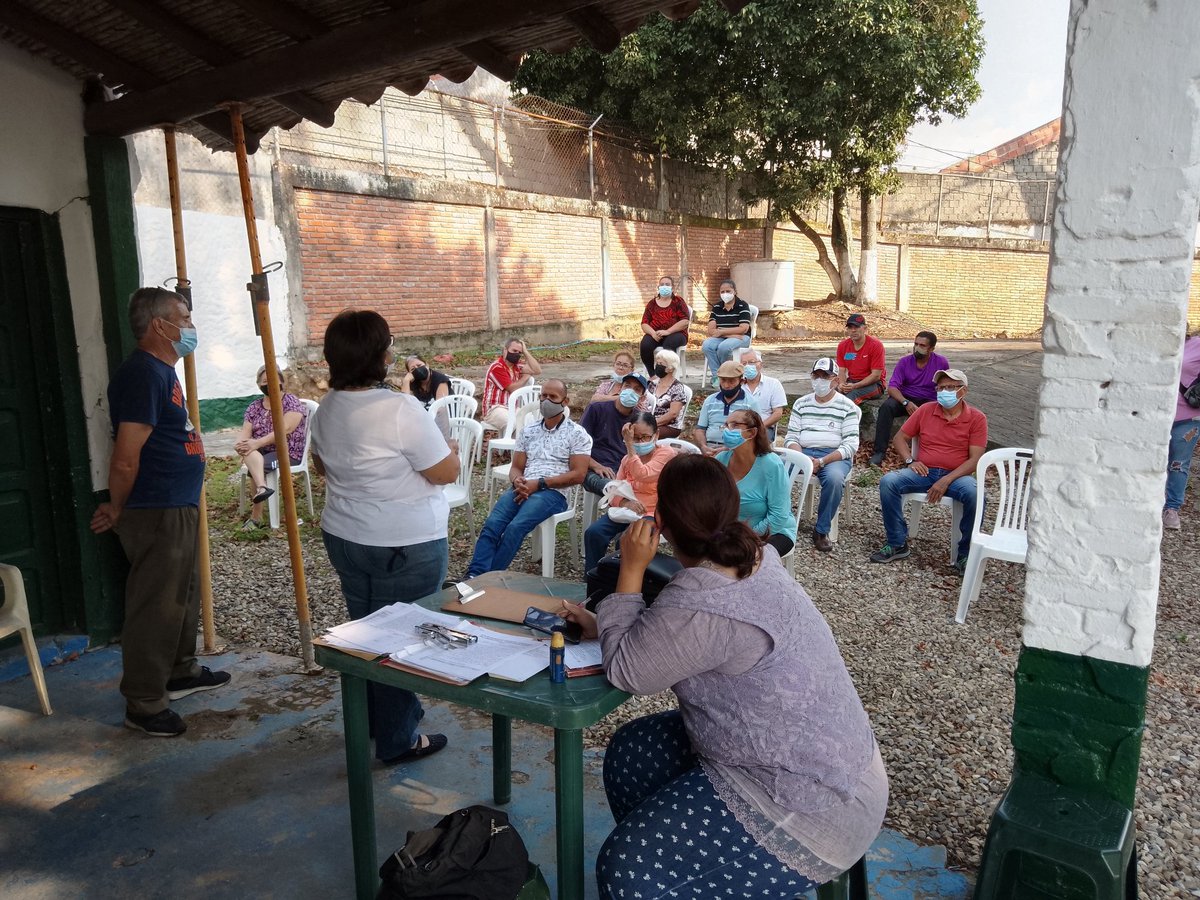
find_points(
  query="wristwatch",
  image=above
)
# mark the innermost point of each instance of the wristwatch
(907, 462)
(541, 484)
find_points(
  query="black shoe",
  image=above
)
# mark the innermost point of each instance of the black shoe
(263, 495)
(877, 459)
(822, 542)
(207, 680)
(887, 553)
(165, 723)
(436, 742)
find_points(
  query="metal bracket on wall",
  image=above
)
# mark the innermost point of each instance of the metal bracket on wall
(182, 287)
(260, 291)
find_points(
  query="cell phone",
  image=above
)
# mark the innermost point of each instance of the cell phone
(548, 623)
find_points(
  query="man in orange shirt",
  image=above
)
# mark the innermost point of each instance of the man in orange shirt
(862, 369)
(952, 436)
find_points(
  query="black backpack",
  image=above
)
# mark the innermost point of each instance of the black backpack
(1191, 393)
(602, 580)
(471, 854)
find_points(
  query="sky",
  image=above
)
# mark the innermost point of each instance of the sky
(1021, 77)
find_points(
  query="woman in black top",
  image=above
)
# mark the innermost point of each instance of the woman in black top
(728, 328)
(423, 382)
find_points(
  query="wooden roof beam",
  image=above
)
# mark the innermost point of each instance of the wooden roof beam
(488, 56)
(374, 43)
(286, 17)
(595, 27)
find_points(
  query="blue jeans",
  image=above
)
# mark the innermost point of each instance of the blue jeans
(906, 481)
(675, 836)
(507, 527)
(718, 349)
(833, 479)
(375, 577)
(597, 538)
(1179, 459)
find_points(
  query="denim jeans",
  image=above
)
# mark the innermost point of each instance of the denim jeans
(833, 480)
(507, 527)
(597, 539)
(594, 484)
(906, 481)
(675, 836)
(719, 349)
(1179, 459)
(374, 577)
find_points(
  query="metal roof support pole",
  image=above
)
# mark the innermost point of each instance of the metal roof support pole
(262, 323)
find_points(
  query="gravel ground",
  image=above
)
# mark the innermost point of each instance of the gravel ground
(940, 695)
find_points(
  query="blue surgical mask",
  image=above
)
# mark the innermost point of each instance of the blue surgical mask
(643, 449)
(188, 339)
(732, 438)
(947, 399)
(629, 398)
(750, 372)
(665, 290)
(617, 376)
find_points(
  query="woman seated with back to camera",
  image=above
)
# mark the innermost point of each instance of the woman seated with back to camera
(767, 780)
(761, 480)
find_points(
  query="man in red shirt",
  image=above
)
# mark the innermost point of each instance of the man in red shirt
(952, 437)
(862, 369)
(504, 376)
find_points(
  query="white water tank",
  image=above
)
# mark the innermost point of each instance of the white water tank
(766, 283)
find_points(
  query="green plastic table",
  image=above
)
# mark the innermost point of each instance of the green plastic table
(567, 708)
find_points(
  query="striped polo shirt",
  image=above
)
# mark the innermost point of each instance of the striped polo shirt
(824, 426)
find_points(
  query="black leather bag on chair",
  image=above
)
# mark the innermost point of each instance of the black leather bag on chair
(602, 580)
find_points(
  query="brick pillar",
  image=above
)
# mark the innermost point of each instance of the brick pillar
(1116, 304)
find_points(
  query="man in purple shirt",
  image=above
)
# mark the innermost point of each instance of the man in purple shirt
(910, 386)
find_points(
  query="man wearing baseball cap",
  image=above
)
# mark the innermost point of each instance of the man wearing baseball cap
(731, 395)
(862, 369)
(824, 426)
(952, 436)
(604, 421)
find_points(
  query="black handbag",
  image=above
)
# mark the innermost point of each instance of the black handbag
(602, 580)
(471, 854)
(1191, 393)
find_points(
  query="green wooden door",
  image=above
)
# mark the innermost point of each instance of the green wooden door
(28, 537)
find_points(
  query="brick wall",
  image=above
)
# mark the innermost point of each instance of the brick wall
(548, 266)
(986, 290)
(639, 253)
(710, 254)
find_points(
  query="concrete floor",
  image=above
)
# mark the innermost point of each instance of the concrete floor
(251, 801)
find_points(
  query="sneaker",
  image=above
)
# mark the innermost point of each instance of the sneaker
(1171, 519)
(251, 525)
(165, 723)
(887, 553)
(207, 680)
(877, 459)
(960, 566)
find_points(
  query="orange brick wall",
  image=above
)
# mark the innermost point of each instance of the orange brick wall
(711, 253)
(548, 266)
(984, 290)
(421, 265)
(1194, 297)
(639, 253)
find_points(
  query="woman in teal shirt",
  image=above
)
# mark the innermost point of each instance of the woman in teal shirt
(761, 479)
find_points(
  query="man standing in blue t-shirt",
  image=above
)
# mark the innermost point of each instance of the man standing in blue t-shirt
(154, 482)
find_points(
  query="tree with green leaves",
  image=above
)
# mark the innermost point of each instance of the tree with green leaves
(797, 99)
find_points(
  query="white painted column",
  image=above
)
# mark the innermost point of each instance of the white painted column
(1116, 301)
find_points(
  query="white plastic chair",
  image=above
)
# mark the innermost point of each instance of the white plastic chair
(544, 536)
(505, 442)
(812, 497)
(530, 412)
(300, 468)
(469, 435)
(799, 468)
(914, 504)
(679, 445)
(681, 373)
(462, 387)
(14, 618)
(457, 406)
(1008, 539)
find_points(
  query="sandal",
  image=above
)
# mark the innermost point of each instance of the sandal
(251, 525)
(435, 743)
(262, 495)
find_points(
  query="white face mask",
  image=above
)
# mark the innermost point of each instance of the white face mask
(726, 297)
(822, 386)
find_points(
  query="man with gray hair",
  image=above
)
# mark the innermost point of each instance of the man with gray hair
(767, 392)
(154, 482)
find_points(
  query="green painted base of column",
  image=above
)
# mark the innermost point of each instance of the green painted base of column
(218, 413)
(1079, 721)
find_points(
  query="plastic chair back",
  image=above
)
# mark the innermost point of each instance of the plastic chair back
(678, 445)
(799, 469)
(310, 410)
(519, 398)
(753, 320)
(14, 618)
(462, 387)
(1013, 467)
(457, 406)
(469, 435)
(681, 373)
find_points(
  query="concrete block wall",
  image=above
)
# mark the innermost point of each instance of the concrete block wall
(987, 290)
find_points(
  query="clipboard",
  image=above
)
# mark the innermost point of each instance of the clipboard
(501, 602)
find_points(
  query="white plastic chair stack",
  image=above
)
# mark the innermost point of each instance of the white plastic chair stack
(544, 536)
(914, 504)
(1008, 539)
(469, 435)
(272, 478)
(799, 468)
(457, 406)
(14, 618)
(530, 412)
(462, 387)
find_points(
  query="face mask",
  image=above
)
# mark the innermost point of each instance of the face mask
(513, 358)
(919, 353)
(643, 449)
(629, 398)
(618, 376)
(660, 371)
(550, 409)
(947, 399)
(822, 386)
(188, 339)
(730, 393)
(665, 290)
(420, 373)
(726, 297)
(732, 438)
(263, 388)
(750, 372)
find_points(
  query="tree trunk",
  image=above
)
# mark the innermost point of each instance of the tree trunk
(835, 280)
(868, 257)
(842, 230)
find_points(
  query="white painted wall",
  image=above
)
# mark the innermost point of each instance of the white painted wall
(41, 144)
(1116, 304)
(218, 255)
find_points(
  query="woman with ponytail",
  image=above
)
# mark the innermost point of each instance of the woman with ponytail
(767, 780)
